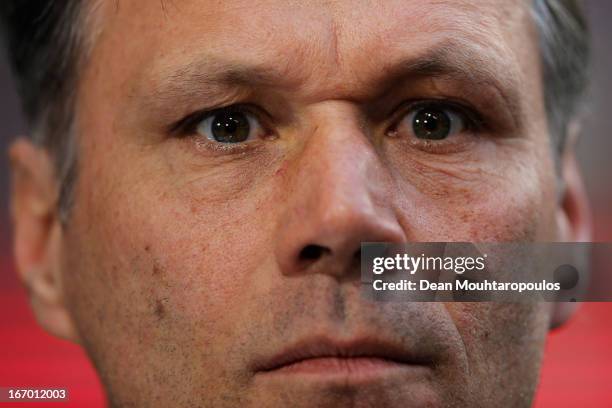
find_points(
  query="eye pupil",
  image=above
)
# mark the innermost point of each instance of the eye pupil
(230, 127)
(431, 124)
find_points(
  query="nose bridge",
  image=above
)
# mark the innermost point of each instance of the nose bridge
(339, 198)
(340, 154)
(344, 173)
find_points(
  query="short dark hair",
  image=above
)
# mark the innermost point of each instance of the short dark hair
(45, 44)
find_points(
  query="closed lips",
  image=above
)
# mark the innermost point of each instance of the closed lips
(322, 354)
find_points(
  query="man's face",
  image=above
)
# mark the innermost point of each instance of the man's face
(212, 259)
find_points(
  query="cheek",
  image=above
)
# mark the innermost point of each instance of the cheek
(177, 234)
(146, 267)
(186, 253)
(504, 343)
(493, 200)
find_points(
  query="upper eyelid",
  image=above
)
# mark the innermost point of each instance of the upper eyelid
(473, 117)
(189, 123)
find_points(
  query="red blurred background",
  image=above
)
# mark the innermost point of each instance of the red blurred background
(577, 368)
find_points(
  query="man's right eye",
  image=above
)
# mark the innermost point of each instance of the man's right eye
(229, 126)
(232, 125)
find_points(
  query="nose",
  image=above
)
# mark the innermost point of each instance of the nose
(340, 196)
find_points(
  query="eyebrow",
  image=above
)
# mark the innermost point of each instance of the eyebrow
(459, 60)
(205, 78)
(454, 59)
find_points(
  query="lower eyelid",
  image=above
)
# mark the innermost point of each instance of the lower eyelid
(207, 144)
(445, 147)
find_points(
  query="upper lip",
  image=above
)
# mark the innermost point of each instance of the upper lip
(325, 347)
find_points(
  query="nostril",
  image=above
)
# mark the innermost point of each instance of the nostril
(313, 252)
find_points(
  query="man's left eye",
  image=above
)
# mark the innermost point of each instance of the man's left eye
(229, 126)
(432, 123)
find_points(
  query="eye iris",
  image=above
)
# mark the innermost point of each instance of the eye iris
(431, 124)
(230, 127)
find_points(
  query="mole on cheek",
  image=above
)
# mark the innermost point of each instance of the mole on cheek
(160, 309)
(157, 270)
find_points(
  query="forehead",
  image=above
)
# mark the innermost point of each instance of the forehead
(331, 38)
(300, 20)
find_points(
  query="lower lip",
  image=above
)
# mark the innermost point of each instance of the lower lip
(353, 368)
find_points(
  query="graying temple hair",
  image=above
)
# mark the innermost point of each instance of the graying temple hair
(47, 45)
(565, 52)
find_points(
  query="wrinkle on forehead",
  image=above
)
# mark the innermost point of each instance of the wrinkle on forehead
(323, 24)
(334, 44)
(450, 58)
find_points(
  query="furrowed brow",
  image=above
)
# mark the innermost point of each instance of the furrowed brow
(211, 75)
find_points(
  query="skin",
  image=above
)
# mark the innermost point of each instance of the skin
(179, 268)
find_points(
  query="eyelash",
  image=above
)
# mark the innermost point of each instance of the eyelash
(188, 125)
(473, 120)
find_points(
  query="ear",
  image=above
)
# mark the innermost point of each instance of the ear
(37, 236)
(573, 214)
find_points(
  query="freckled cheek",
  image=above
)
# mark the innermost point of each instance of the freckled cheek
(192, 259)
(166, 290)
(481, 206)
(505, 213)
